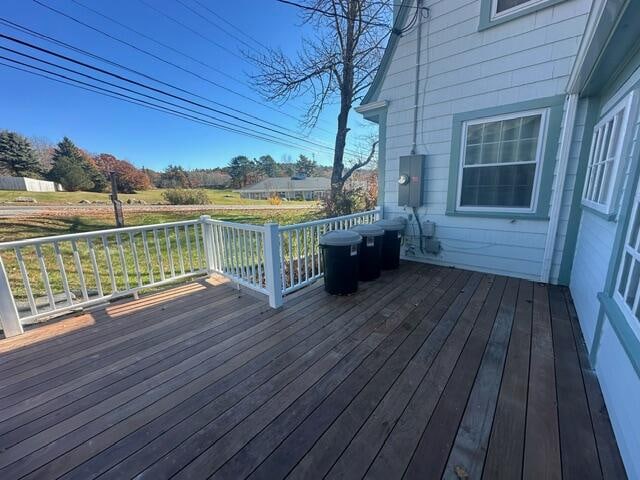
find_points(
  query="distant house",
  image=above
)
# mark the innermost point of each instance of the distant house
(294, 188)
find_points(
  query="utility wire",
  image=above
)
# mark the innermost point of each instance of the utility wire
(220, 17)
(210, 22)
(328, 14)
(156, 90)
(116, 64)
(161, 59)
(128, 99)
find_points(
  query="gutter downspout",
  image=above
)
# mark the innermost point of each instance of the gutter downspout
(571, 105)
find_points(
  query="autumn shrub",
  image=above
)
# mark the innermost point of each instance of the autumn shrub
(275, 200)
(180, 196)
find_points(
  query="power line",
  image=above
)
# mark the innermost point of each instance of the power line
(210, 22)
(120, 96)
(84, 52)
(220, 17)
(328, 14)
(139, 84)
(156, 57)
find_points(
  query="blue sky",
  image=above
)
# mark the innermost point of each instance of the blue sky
(38, 107)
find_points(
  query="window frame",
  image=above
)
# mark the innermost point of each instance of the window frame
(513, 10)
(610, 206)
(490, 18)
(539, 160)
(634, 252)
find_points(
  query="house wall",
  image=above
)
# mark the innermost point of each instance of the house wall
(618, 373)
(462, 70)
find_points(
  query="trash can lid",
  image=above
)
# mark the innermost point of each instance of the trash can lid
(401, 220)
(390, 225)
(368, 230)
(340, 238)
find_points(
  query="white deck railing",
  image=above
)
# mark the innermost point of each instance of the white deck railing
(50, 275)
(300, 261)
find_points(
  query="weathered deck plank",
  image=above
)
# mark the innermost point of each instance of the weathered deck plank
(426, 372)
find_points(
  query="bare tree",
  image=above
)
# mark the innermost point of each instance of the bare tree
(338, 63)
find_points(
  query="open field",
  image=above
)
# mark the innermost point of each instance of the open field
(18, 228)
(217, 197)
(24, 227)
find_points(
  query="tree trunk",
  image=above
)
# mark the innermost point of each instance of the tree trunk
(346, 97)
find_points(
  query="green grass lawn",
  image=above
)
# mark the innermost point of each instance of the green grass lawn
(216, 197)
(17, 228)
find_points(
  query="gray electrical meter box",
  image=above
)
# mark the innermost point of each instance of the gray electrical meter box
(410, 181)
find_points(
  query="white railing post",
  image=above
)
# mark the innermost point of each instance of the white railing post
(207, 241)
(379, 211)
(272, 264)
(8, 312)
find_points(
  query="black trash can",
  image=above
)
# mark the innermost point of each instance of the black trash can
(393, 229)
(340, 261)
(370, 251)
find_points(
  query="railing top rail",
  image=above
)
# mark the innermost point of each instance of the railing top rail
(95, 233)
(284, 228)
(240, 226)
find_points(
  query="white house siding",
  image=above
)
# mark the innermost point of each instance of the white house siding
(465, 70)
(619, 381)
(621, 390)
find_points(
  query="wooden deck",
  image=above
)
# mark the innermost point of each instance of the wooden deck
(426, 373)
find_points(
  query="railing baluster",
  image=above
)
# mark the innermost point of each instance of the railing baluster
(312, 231)
(179, 246)
(94, 267)
(63, 274)
(45, 277)
(220, 248)
(186, 235)
(26, 282)
(260, 254)
(290, 261)
(158, 253)
(167, 241)
(197, 237)
(147, 254)
(136, 263)
(253, 239)
(306, 255)
(78, 264)
(282, 260)
(107, 252)
(298, 254)
(123, 262)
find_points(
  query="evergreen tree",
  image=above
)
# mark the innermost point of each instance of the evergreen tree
(306, 166)
(74, 169)
(240, 169)
(267, 166)
(174, 176)
(17, 157)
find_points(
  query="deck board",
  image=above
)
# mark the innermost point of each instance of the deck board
(428, 372)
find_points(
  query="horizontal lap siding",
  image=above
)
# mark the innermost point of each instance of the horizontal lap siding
(464, 70)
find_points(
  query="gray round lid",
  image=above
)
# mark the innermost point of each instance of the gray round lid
(340, 238)
(401, 220)
(368, 230)
(390, 225)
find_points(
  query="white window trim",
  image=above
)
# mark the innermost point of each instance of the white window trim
(510, 11)
(632, 320)
(609, 206)
(542, 136)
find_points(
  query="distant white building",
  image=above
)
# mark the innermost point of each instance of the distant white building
(293, 188)
(26, 184)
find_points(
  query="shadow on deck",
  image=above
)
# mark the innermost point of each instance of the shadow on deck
(428, 372)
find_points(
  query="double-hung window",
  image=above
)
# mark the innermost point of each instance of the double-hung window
(507, 7)
(500, 162)
(627, 293)
(604, 167)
